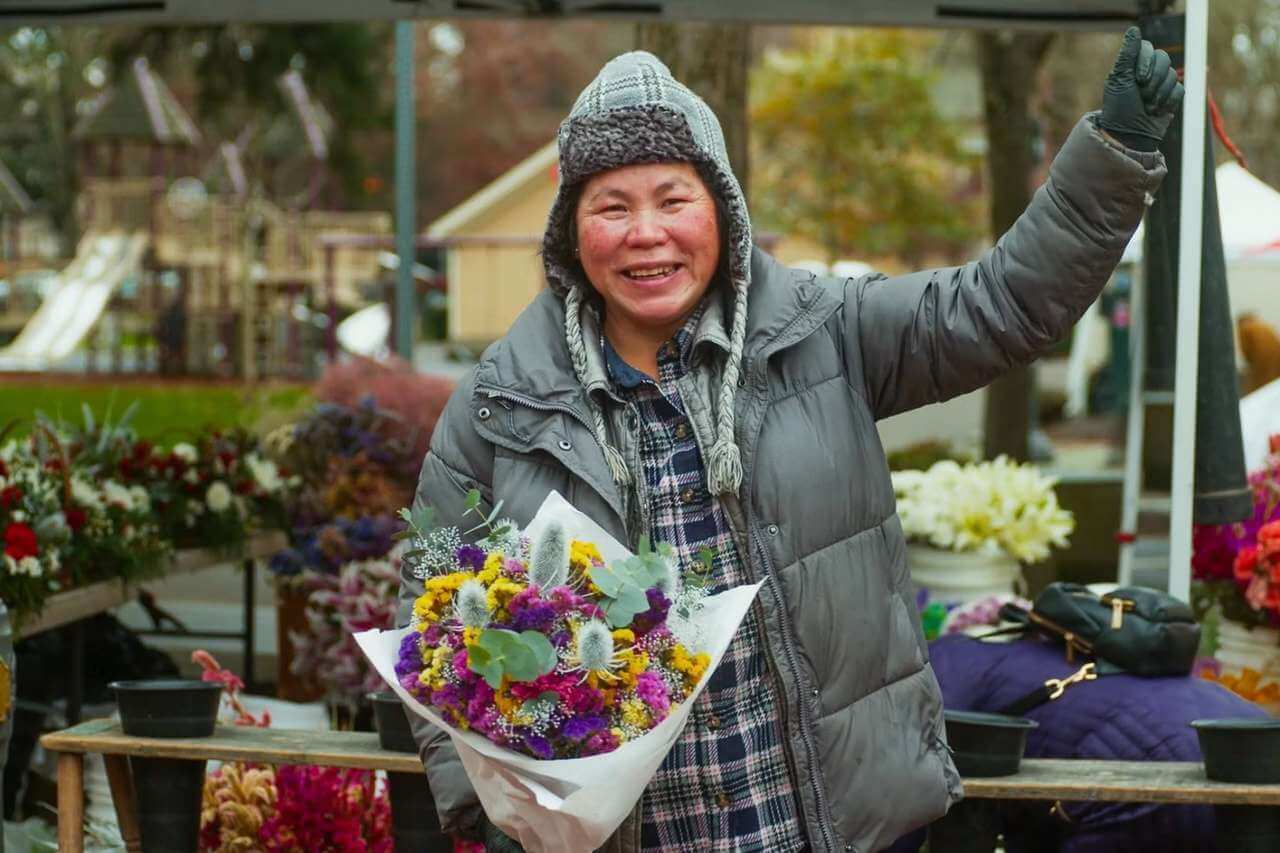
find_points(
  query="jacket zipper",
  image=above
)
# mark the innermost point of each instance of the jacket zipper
(789, 650)
(503, 394)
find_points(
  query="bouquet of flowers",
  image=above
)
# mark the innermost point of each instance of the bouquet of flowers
(562, 666)
(1237, 566)
(995, 507)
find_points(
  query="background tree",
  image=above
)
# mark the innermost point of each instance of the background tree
(228, 73)
(50, 74)
(1244, 77)
(852, 152)
(1010, 63)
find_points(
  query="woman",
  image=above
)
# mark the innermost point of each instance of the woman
(675, 381)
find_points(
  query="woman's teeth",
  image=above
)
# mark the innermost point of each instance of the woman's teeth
(657, 272)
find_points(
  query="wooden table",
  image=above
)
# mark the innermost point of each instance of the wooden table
(75, 605)
(228, 743)
(1039, 779)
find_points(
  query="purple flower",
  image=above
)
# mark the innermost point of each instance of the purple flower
(652, 690)
(410, 654)
(656, 614)
(539, 746)
(471, 557)
(578, 728)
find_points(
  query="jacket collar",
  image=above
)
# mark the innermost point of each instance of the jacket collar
(532, 360)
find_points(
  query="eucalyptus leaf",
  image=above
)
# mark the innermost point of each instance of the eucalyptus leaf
(498, 652)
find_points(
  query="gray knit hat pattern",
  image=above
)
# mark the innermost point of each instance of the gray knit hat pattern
(636, 112)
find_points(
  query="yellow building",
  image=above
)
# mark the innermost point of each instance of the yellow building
(492, 240)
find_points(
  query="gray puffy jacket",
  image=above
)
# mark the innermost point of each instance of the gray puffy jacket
(824, 359)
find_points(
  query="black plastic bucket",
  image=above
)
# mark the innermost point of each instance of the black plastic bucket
(987, 744)
(414, 823)
(168, 790)
(1240, 750)
(167, 707)
(1247, 829)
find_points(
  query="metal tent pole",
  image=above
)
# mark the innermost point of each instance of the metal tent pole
(1188, 325)
(406, 210)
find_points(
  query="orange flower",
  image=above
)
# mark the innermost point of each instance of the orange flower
(1247, 685)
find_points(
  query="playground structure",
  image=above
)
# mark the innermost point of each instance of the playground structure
(171, 278)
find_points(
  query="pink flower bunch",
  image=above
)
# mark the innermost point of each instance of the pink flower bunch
(328, 808)
(362, 596)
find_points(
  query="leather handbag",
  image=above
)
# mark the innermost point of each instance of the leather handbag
(1138, 630)
(1132, 629)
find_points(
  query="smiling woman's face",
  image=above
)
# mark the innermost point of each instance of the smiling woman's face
(649, 244)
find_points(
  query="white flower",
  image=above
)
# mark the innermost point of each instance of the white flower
(265, 473)
(218, 497)
(191, 476)
(117, 494)
(186, 453)
(85, 494)
(141, 500)
(989, 507)
(29, 566)
(18, 515)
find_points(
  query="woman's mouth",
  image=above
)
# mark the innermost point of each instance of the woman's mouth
(656, 274)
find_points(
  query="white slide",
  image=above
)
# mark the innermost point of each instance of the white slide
(76, 300)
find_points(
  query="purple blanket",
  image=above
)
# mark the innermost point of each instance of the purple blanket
(1116, 717)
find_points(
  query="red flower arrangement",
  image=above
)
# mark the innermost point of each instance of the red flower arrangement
(1237, 566)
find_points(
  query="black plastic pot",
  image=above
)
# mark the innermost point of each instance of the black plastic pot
(167, 707)
(168, 790)
(987, 744)
(1248, 829)
(970, 826)
(1240, 750)
(414, 823)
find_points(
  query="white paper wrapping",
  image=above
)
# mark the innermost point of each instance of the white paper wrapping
(569, 805)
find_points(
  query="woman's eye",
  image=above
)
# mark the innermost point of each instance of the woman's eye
(674, 202)
(613, 209)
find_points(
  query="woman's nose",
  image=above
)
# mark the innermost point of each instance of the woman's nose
(645, 229)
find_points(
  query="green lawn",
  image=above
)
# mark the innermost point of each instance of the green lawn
(167, 411)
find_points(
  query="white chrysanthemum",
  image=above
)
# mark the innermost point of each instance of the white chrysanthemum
(218, 496)
(29, 566)
(265, 473)
(141, 500)
(114, 493)
(192, 476)
(471, 604)
(85, 494)
(186, 453)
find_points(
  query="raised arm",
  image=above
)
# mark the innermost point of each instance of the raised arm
(931, 335)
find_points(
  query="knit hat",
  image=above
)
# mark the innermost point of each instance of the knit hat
(636, 112)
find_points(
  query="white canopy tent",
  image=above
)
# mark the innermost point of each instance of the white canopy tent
(1109, 15)
(1249, 209)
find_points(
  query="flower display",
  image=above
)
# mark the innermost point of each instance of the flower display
(543, 647)
(362, 595)
(1237, 566)
(291, 809)
(994, 507)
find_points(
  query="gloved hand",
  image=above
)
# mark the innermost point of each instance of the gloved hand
(1141, 95)
(495, 840)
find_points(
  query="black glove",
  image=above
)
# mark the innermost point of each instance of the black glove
(1141, 95)
(495, 840)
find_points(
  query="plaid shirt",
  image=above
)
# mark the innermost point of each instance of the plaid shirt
(725, 784)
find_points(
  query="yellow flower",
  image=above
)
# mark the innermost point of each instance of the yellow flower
(582, 555)
(501, 591)
(634, 713)
(692, 667)
(492, 568)
(436, 596)
(624, 636)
